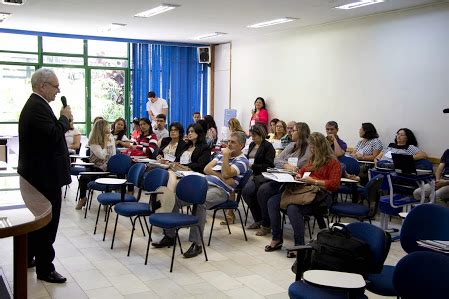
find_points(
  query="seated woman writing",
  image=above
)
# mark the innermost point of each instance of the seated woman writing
(172, 146)
(322, 170)
(404, 143)
(102, 147)
(118, 131)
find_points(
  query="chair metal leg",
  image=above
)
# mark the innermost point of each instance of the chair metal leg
(86, 205)
(212, 227)
(226, 219)
(148, 244)
(141, 226)
(241, 222)
(98, 216)
(174, 249)
(113, 234)
(108, 212)
(132, 233)
(202, 241)
(146, 225)
(180, 246)
(65, 192)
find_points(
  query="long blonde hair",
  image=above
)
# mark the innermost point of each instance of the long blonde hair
(322, 152)
(99, 131)
(234, 125)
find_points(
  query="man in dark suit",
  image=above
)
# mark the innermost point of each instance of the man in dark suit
(44, 163)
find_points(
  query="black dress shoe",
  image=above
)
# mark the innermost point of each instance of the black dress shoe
(165, 242)
(193, 251)
(32, 263)
(53, 277)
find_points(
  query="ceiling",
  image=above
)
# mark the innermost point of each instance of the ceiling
(192, 18)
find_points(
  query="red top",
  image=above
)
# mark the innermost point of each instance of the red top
(147, 144)
(330, 173)
(260, 117)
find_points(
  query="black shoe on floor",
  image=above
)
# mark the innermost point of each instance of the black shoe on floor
(52, 277)
(32, 263)
(193, 251)
(165, 242)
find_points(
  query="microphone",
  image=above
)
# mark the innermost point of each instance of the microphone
(446, 110)
(64, 101)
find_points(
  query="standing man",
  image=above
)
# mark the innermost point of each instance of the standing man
(223, 175)
(44, 163)
(155, 106)
(338, 146)
(160, 130)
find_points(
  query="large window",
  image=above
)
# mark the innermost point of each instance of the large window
(108, 88)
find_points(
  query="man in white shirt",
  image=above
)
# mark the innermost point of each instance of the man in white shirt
(155, 106)
(160, 130)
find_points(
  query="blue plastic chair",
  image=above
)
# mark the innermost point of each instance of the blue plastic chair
(191, 189)
(371, 194)
(351, 166)
(422, 275)
(153, 180)
(118, 165)
(379, 243)
(232, 205)
(424, 222)
(109, 199)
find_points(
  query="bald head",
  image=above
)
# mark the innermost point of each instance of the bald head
(41, 76)
(290, 128)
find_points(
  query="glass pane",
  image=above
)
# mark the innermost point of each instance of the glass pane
(11, 129)
(108, 91)
(71, 84)
(15, 57)
(63, 60)
(18, 42)
(106, 48)
(15, 89)
(62, 45)
(108, 62)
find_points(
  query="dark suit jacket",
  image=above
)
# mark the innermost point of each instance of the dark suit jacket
(200, 157)
(43, 155)
(179, 149)
(264, 157)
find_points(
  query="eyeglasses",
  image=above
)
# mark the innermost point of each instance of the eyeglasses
(54, 86)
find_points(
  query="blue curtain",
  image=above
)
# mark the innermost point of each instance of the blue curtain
(175, 75)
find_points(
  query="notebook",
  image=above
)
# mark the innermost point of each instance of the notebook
(404, 164)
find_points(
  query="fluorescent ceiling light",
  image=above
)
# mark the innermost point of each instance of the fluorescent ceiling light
(272, 22)
(111, 27)
(209, 35)
(4, 16)
(157, 10)
(14, 2)
(358, 4)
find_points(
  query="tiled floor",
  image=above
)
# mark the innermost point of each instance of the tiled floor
(236, 269)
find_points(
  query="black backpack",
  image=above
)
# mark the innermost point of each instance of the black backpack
(337, 250)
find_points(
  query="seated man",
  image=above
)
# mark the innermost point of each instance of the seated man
(288, 138)
(223, 174)
(160, 130)
(196, 116)
(338, 146)
(441, 183)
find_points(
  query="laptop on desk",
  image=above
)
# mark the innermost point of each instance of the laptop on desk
(404, 164)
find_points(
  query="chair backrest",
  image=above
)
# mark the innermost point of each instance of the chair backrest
(154, 179)
(422, 275)
(372, 193)
(242, 183)
(424, 222)
(192, 189)
(377, 239)
(352, 165)
(119, 164)
(384, 186)
(135, 174)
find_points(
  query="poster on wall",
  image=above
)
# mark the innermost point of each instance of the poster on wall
(228, 114)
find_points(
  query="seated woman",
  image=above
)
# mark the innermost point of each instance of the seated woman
(293, 157)
(369, 147)
(118, 131)
(136, 130)
(280, 132)
(146, 143)
(172, 146)
(102, 147)
(261, 156)
(234, 126)
(272, 128)
(324, 171)
(404, 143)
(73, 139)
(441, 184)
(211, 132)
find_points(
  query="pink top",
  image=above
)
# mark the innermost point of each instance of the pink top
(260, 118)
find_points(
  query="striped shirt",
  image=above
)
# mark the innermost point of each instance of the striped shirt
(395, 149)
(239, 163)
(147, 144)
(367, 147)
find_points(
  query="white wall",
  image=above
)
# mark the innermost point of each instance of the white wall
(222, 90)
(391, 70)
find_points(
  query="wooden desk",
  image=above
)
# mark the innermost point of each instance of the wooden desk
(26, 210)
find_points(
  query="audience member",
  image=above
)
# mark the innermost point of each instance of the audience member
(280, 132)
(136, 130)
(146, 144)
(73, 138)
(160, 130)
(369, 147)
(259, 114)
(288, 138)
(272, 128)
(172, 147)
(118, 131)
(196, 116)
(211, 132)
(337, 145)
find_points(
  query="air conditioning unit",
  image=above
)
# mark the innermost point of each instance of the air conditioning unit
(204, 54)
(14, 2)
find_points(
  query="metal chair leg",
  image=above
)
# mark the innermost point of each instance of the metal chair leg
(173, 254)
(180, 246)
(98, 216)
(202, 241)
(113, 234)
(141, 226)
(132, 233)
(148, 244)
(226, 219)
(241, 222)
(212, 227)
(108, 212)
